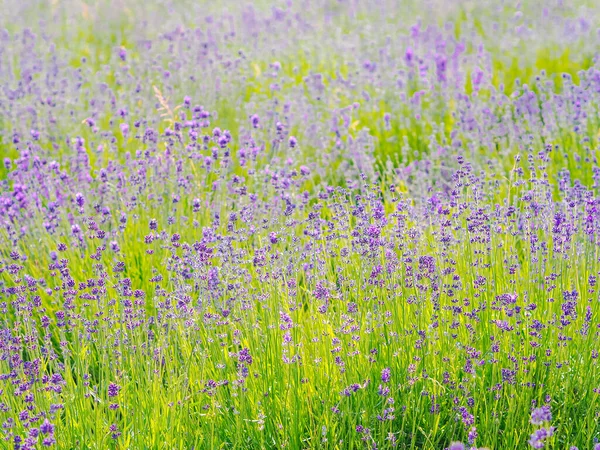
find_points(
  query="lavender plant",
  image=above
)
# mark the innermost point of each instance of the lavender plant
(329, 224)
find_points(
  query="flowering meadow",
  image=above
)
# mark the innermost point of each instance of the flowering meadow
(317, 224)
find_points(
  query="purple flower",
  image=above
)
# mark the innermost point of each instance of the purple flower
(46, 427)
(79, 199)
(472, 435)
(386, 375)
(321, 292)
(48, 441)
(213, 279)
(541, 415)
(114, 430)
(456, 446)
(538, 438)
(244, 356)
(293, 141)
(287, 337)
(383, 390)
(113, 390)
(223, 141)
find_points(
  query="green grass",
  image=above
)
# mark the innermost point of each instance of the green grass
(163, 358)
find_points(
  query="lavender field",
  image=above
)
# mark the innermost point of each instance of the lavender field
(318, 224)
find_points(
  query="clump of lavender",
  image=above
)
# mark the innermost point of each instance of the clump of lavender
(541, 416)
(456, 446)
